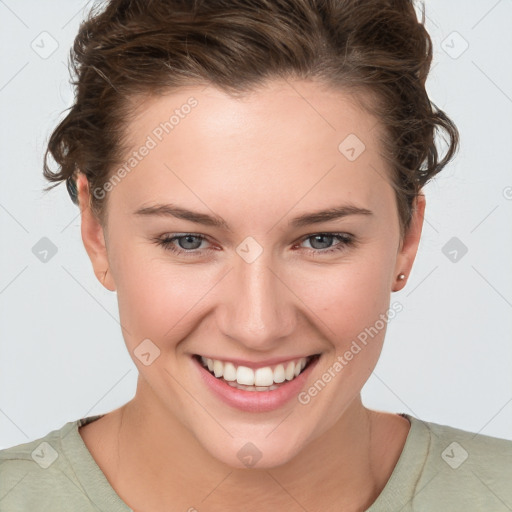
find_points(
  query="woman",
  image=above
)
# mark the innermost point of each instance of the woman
(249, 176)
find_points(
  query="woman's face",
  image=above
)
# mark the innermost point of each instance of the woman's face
(257, 285)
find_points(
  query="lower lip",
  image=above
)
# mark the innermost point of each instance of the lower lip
(255, 401)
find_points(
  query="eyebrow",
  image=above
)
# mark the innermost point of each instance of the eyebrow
(170, 210)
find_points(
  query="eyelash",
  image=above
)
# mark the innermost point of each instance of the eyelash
(346, 240)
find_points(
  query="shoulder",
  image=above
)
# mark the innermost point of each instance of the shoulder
(30, 470)
(470, 471)
(464, 446)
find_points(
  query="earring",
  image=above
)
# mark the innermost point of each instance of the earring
(104, 276)
(401, 277)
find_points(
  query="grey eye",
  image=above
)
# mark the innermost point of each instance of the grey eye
(321, 241)
(185, 242)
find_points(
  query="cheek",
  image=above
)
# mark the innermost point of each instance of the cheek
(349, 297)
(157, 298)
(351, 308)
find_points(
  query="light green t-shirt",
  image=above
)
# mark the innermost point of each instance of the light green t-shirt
(440, 469)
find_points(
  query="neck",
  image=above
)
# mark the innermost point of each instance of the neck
(152, 450)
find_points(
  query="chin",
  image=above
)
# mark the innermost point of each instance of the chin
(260, 453)
(245, 445)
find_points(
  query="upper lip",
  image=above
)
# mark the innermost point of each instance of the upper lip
(258, 364)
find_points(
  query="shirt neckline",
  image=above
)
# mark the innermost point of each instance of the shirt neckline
(91, 477)
(400, 487)
(396, 493)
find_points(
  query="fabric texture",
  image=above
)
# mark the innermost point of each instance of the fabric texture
(441, 468)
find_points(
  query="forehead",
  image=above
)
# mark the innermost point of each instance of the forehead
(288, 138)
(278, 113)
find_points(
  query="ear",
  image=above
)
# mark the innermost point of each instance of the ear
(93, 236)
(409, 244)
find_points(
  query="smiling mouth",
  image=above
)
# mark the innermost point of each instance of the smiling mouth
(266, 378)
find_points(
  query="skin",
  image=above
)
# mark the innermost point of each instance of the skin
(256, 162)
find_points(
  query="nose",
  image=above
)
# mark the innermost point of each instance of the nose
(257, 308)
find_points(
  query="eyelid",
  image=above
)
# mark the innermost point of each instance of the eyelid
(346, 240)
(340, 234)
(169, 237)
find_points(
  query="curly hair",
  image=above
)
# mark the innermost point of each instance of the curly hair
(375, 50)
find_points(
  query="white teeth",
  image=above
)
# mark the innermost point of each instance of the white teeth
(229, 371)
(244, 375)
(252, 388)
(264, 376)
(290, 370)
(261, 379)
(279, 374)
(218, 368)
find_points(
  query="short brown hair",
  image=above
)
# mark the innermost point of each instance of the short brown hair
(144, 47)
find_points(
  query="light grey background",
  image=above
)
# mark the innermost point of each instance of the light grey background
(447, 356)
